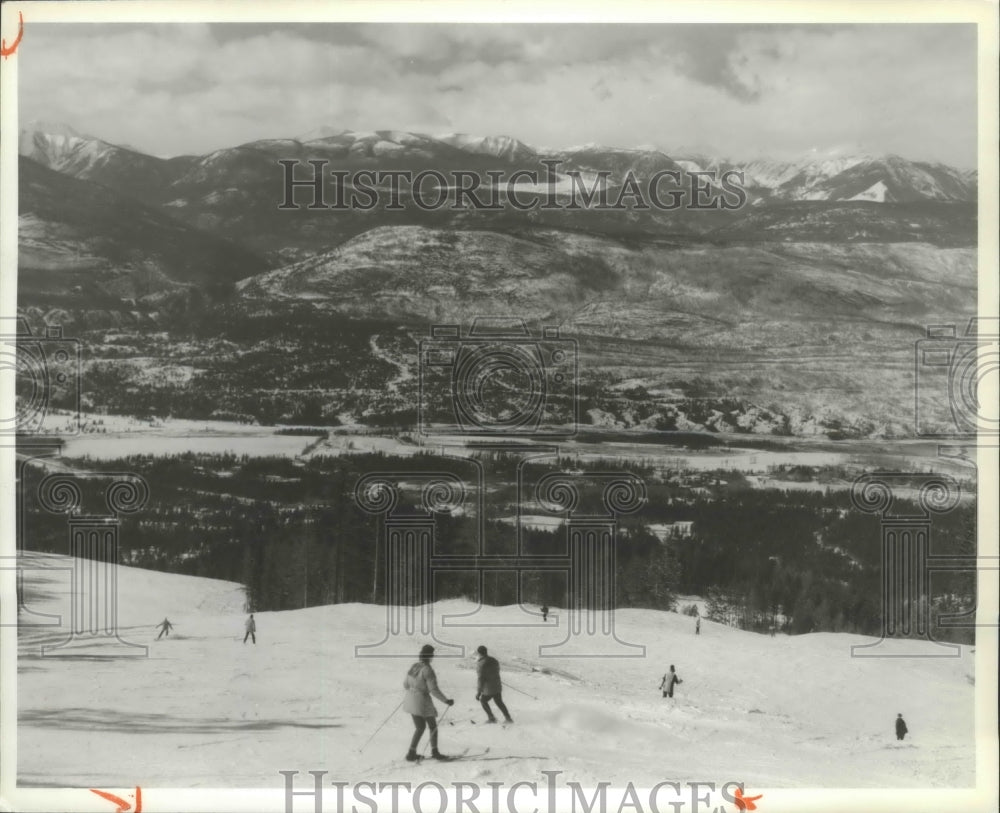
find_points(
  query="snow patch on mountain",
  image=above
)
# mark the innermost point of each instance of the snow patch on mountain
(800, 175)
(382, 147)
(689, 166)
(876, 192)
(499, 146)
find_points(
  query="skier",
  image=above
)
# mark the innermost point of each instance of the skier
(901, 729)
(251, 630)
(164, 629)
(545, 612)
(697, 625)
(420, 683)
(667, 684)
(488, 686)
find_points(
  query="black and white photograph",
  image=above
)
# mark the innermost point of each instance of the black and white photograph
(499, 407)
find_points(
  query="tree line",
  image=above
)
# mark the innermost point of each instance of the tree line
(293, 534)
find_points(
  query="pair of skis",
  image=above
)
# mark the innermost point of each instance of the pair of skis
(451, 757)
(480, 755)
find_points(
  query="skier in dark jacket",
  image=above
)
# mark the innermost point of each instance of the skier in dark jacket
(901, 729)
(164, 627)
(488, 685)
(545, 612)
(667, 684)
(420, 683)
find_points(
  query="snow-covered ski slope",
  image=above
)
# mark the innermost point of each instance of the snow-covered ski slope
(206, 710)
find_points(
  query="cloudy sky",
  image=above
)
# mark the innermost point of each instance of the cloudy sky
(737, 90)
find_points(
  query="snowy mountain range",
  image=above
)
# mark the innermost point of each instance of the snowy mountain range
(887, 178)
(844, 259)
(235, 192)
(882, 179)
(61, 148)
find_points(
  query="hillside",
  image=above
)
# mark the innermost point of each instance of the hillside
(864, 221)
(81, 244)
(428, 273)
(803, 328)
(205, 710)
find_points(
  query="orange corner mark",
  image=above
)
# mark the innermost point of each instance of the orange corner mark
(118, 800)
(8, 50)
(746, 802)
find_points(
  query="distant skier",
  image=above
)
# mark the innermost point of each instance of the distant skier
(697, 625)
(420, 683)
(164, 627)
(667, 684)
(251, 630)
(488, 685)
(545, 612)
(901, 729)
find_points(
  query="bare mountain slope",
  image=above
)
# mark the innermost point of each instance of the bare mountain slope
(428, 273)
(818, 332)
(82, 241)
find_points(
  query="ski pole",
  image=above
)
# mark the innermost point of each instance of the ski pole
(518, 690)
(376, 731)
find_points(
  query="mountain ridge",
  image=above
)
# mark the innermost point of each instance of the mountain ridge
(805, 178)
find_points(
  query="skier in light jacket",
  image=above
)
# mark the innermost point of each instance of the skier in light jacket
(420, 683)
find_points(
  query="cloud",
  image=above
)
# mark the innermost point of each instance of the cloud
(750, 89)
